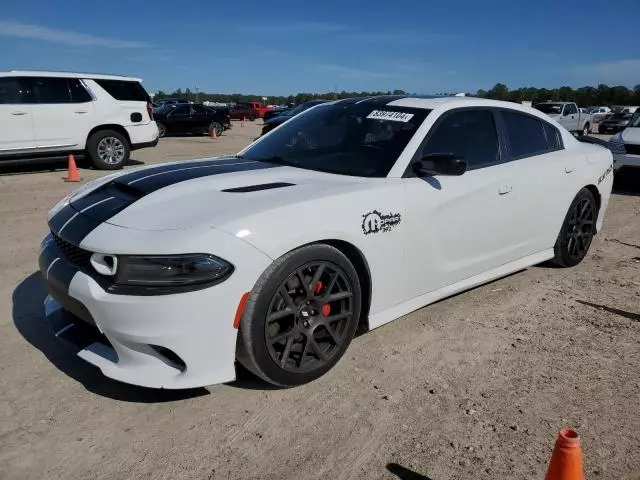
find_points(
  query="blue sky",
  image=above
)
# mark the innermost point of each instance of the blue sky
(273, 47)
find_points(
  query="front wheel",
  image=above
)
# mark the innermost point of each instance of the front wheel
(577, 231)
(162, 130)
(108, 149)
(585, 131)
(300, 317)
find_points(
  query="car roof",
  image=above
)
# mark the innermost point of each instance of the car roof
(433, 102)
(45, 73)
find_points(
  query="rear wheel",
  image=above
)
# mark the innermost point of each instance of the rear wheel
(300, 317)
(585, 131)
(108, 149)
(162, 129)
(577, 231)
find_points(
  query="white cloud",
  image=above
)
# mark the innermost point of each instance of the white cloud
(618, 72)
(64, 37)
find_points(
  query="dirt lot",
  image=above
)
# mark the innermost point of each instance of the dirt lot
(475, 386)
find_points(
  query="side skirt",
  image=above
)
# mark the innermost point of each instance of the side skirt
(405, 308)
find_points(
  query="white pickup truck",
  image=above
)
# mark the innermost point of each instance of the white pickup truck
(568, 115)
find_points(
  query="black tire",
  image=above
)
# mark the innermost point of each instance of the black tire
(162, 129)
(108, 150)
(307, 349)
(217, 127)
(585, 131)
(577, 230)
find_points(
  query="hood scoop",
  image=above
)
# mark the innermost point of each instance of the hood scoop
(257, 188)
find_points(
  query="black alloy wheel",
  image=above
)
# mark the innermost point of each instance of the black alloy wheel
(577, 231)
(581, 229)
(300, 316)
(308, 318)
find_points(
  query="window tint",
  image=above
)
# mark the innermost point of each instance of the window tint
(553, 136)
(570, 109)
(124, 90)
(179, 111)
(199, 110)
(525, 134)
(12, 91)
(79, 94)
(470, 135)
(50, 90)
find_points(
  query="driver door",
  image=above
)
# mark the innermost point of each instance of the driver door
(459, 226)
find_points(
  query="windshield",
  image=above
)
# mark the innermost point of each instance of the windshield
(347, 139)
(635, 120)
(550, 108)
(620, 116)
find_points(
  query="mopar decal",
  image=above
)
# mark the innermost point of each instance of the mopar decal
(376, 222)
(604, 175)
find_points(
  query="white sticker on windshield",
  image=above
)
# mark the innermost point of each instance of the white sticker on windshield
(393, 116)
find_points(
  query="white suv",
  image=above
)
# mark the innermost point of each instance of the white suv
(48, 115)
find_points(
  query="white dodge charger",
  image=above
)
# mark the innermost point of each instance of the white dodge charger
(348, 216)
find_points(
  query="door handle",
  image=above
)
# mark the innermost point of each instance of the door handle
(569, 169)
(81, 111)
(504, 189)
(19, 113)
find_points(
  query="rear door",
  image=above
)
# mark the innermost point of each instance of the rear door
(544, 180)
(16, 119)
(201, 119)
(62, 113)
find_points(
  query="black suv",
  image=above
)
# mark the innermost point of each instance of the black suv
(180, 119)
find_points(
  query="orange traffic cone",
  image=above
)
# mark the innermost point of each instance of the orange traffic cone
(566, 459)
(214, 134)
(72, 171)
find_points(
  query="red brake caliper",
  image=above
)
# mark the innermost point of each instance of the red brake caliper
(326, 309)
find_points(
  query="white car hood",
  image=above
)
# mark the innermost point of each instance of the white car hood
(204, 193)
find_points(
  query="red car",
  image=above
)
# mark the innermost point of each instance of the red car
(249, 110)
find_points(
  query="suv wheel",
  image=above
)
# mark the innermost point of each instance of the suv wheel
(108, 150)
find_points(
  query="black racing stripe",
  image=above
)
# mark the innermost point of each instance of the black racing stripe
(78, 229)
(137, 174)
(47, 254)
(151, 184)
(90, 199)
(60, 275)
(62, 217)
(105, 210)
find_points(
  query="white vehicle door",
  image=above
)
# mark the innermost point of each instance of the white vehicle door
(545, 179)
(459, 226)
(16, 127)
(571, 117)
(62, 113)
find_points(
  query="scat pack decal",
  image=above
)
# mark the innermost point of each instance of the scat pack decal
(376, 222)
(604, 175)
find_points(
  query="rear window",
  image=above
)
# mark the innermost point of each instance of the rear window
(526, 134)
(553, 136)
(124, 90)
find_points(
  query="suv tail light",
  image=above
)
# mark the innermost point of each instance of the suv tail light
(150, 110)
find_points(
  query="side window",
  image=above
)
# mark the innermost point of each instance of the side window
(13, 91)
(124, 90)
(572, 109)
(470, 135)
(525, 133)
(50, 90)
(199, 110)
(553, 137)
(181, 111)
(79, 94)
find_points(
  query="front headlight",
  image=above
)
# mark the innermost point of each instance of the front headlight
(171, 270)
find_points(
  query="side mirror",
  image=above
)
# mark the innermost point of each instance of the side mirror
(440, 164)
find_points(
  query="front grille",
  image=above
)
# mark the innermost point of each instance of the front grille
(632, 149)
(76, 255)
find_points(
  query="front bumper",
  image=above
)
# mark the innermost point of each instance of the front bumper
(172, 341)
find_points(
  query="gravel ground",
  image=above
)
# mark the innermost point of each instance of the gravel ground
(475, 386)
